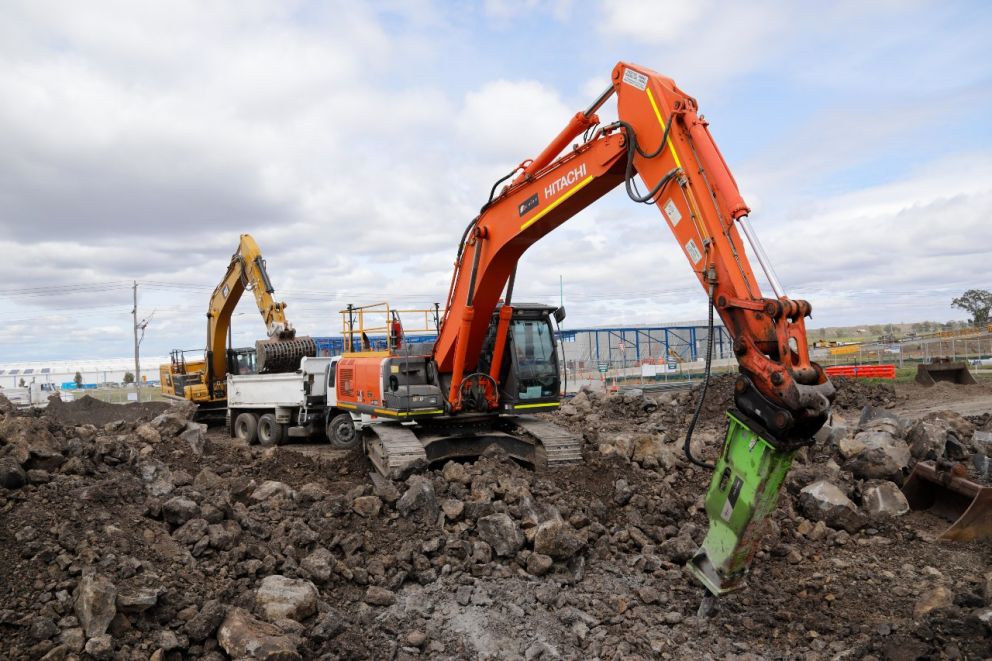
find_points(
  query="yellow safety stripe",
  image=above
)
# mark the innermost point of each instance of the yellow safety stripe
(346, 406)
(554, 204)
(534, 406)
(657, 114)
(406, 413)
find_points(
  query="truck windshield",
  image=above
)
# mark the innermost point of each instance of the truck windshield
(537, 369)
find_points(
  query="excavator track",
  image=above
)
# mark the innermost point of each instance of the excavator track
(560, 447)
(393, 448)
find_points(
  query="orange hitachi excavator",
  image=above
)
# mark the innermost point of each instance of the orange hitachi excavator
(495, 361)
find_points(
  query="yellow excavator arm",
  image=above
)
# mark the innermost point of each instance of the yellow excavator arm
(205, 382)
(246, 271)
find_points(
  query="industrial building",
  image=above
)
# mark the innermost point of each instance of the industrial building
(57, 374)
(586, 350)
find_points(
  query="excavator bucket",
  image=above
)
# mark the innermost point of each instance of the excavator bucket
(951, 496)
(275, 355)
(943, 369)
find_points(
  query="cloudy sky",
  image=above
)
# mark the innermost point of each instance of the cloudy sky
(355, 141)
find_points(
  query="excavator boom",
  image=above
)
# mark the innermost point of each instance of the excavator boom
(662, 140)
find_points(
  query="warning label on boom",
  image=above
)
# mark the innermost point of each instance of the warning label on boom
(635, 79)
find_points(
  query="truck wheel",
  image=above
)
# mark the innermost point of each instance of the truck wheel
(269, 430)
(341, 432)
(245, 427)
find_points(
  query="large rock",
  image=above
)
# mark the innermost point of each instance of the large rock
(280, 597)
(245, 637)
(272, 489)
(205, 622)
(367, 506)
(196, 438)
(539, 564)
(823, 501)
(621, 444)
(147, 433)
(455, 472)
(157, 478)
(137, 599)
(981, 441)
(884, 499)
(191, 532)
(379, 596)
(95, 604)
(36, 445)
(678, 549)
(169, 424)
(100, 647)
(957, 424)
(931, 600)
(927, 440)
(650, 451)
(224, 535)
(12, 476)
(319, 565)
(881, 456)
(384, 488)
(557, 539)
(179, 510)
(419, 497)
(501, 533)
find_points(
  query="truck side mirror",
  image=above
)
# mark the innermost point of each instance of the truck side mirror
(560, 314)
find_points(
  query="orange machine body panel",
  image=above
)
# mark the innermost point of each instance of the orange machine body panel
(359, 380)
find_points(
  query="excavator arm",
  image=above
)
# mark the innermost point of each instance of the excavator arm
(246, 271)
(660, 138)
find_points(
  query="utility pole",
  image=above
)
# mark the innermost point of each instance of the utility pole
(137, 364)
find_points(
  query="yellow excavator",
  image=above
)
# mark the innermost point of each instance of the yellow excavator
(203, 381)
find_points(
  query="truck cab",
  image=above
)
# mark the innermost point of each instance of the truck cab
(270, 408)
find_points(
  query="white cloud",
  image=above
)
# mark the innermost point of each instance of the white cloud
(349, 140)
(661, 22)
(509, 120)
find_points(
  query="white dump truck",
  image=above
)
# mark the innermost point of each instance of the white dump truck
(270, 408)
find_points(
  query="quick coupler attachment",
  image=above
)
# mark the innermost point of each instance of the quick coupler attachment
(744, 491)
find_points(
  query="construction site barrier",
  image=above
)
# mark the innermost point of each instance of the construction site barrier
(863, 371)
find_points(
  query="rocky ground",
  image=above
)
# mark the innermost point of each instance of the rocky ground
(142, 536)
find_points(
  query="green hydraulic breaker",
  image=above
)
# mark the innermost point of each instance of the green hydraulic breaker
(744, 491)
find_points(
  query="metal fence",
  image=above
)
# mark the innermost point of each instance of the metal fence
(969, 348)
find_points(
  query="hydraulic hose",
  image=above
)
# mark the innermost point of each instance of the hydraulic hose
(687, 447)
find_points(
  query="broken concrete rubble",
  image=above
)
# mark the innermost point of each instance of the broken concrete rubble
(823, 501)
(422, 581)
(884, 499)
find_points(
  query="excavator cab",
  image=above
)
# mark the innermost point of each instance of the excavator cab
(530, 377)
(242, 360)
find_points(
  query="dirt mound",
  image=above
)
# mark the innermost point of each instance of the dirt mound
(857, 393)
(90, 410)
